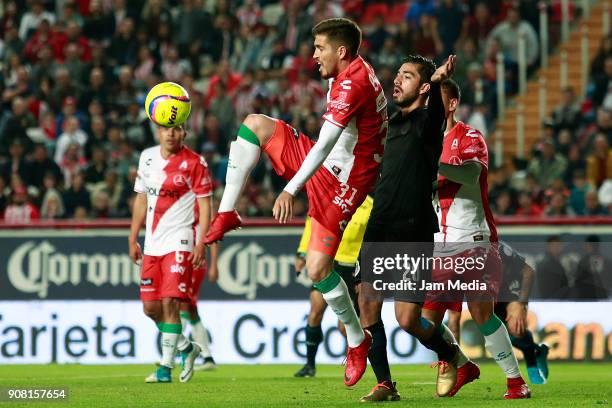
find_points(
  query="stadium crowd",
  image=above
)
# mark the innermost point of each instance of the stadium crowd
(75, 74)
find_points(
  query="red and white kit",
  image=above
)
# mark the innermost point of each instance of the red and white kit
(357, 104)
(464, 216)
(172, 186)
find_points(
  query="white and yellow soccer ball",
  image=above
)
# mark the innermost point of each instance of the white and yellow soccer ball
(168, 104)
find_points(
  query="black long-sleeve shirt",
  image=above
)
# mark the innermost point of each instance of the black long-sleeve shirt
(403, 194)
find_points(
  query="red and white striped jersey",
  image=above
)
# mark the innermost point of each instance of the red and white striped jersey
(463, 210)
(356, 102)
(172, 186)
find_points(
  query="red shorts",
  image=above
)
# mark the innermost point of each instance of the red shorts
(197, 276)
(453, 299)
(167, 276)
(331, 203)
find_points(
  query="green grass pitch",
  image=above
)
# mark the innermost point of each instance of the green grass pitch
(576, 384)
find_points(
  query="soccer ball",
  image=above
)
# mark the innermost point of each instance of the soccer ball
(167, 104)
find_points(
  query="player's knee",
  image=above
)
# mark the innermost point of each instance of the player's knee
(152, 311)
(480, 314)
(408, 322)
(316, 274)
(261, 125)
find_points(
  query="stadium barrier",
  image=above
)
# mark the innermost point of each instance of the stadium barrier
(69, 294)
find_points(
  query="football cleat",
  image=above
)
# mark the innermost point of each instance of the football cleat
(465, 374)
(306, 372)
(535, 375)
(357, 360)
(447, 375)
(208, 365)
(517, 389)
(384, 391)
(188, 357)
(542, 360)
(161, 375)
(222, 223)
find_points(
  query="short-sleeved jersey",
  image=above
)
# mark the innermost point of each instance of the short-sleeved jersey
(172, 186)
(463, 210)
(356, 102)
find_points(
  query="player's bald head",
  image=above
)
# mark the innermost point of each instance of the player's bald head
(340, 31)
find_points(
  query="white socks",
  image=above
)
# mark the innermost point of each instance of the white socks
(200, 336)
(243, 156)
(498, 344)
(336, 295)
(168, 346)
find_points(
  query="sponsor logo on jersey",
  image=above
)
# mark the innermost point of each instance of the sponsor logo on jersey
(454, 160)
(471, 149)
(179, 180)
(336, 170)
(184, 242)
(146, 282)
(478, 238)
(148, 162)
(177, 269)
(346, 84)
(182, 287)
(162, 192)
(339, 105)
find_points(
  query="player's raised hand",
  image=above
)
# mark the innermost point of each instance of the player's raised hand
(198, 256)
(283, 207)
(300, 263)
(445, 70)
(135, 252)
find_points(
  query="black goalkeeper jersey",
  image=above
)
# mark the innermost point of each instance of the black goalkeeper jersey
(403, 197)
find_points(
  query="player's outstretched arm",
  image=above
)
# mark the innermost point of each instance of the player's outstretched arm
(328, 136)
(213, 269)
(139, 213)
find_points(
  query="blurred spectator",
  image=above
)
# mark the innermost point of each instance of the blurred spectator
(112, 186)
(17, 165)
(503, 204)
(222, 107)
(20, 210)
(605, 51)
(225, 75)
(558, 206)
(295, 25)
(73, 162)
(32, 18)
(417, 9)
(549, 166)
(213, 133)
(154, 13)
(578, 192)
(601, 92)
(527, 207)
(16, 126)
(575, 163)
(96, 169)
(52, 207)
(426, 39)
(73, 32)
(98, 25)
(450, 19)
(172, 67)
(379, 33)
(3, 197)
(599, 162)
(249, 14)
(76, 195)
(592, 206)
(72, 134)
(123, 47)
(389, 55)
(42, 165)
(65, 87)
(551, 277)
(591, 271)
(479, 25)
(507, 32)
(567, 114)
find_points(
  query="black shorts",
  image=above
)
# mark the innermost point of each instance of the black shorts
(421, 236)
(500, 311)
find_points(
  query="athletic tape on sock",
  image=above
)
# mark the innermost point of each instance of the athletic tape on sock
(175, 328)
(490, 326)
